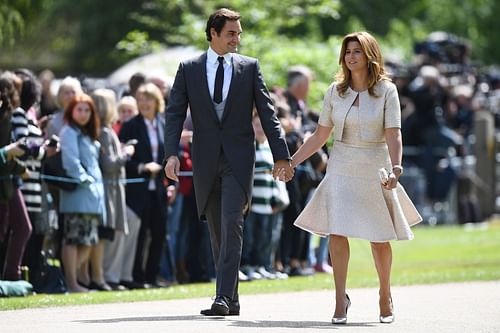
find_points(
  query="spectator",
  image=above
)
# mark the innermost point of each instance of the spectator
(84, 208)
(25, 124)
(68, 88)
(299, 81)
(15, 226)
(48, 103)
(147, 199)
(258, 227)
(112, 160)
(127, 109)
(135, 81)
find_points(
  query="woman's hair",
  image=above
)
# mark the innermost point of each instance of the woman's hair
(68, 82)
(105, 103)
(92, 127)
(31, 91)
(371, 49)
(127, 101)
(218, 19)
(151, 90)
(7, 93)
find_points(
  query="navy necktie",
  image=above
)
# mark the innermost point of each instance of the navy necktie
(219, 81)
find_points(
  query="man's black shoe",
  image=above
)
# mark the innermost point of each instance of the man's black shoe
(220, 307)
(234, 310)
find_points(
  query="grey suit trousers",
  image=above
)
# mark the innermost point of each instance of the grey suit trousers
(224, 213)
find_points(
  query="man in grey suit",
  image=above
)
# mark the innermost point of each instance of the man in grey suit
(221, 89)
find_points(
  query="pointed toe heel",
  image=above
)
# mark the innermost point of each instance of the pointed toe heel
(342, 320)
(390, 318)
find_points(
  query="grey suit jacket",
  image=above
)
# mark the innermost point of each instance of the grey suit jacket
(233, 134)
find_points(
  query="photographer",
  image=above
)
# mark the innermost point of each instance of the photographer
(15, 227)
(25, 127)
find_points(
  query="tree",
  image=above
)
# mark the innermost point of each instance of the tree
(11, 22)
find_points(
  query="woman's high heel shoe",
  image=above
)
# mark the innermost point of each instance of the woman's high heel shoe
(342, 320)
(390, 318)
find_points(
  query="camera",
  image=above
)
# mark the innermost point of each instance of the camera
(53, 142)
(31, 147)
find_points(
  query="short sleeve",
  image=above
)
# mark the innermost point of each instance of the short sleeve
(392, 109)
(325, 118)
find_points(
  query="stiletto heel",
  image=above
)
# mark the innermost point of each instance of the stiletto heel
(390, 318)
(342, 320)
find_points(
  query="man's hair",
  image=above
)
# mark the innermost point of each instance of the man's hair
(298, 73)
(218, 19)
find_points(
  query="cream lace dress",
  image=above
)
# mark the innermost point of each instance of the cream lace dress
(350, 201)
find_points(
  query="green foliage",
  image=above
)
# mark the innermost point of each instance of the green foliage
(96, 36)
(138, 43)
(11, 24)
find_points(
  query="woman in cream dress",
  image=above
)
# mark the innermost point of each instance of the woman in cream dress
(362, 109)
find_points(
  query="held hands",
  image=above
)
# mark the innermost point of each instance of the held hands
(283, 170)
(172, 168)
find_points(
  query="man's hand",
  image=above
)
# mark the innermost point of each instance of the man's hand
(172, 168)
(283, 170)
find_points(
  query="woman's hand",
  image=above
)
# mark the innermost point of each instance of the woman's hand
(392, 181)
(129, 150)
(152, 167)
(14, 150)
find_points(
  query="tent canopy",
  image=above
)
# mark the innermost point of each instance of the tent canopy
(161, 64)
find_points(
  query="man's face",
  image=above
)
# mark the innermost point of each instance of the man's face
(229, 38)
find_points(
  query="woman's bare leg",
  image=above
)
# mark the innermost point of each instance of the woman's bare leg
(339, 253)
(382, 255)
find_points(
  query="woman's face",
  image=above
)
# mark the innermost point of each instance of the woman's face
(354, 57)
(67, 93)
(126, 112)
(146, 106)
(81, 113)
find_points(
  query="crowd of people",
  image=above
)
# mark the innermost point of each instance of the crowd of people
(127, 226)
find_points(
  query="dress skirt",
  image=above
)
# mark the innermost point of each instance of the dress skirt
(350, 200)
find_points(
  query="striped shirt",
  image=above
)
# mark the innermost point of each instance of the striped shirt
(263, 182)
(22, 127)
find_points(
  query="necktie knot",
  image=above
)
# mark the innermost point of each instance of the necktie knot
(220, 60)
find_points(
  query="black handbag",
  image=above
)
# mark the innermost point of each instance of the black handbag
(50, 278)
(53, 170)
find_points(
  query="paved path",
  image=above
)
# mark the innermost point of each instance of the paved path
(459, 307)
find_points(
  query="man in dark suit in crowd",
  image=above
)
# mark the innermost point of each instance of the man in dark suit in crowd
(221, 88)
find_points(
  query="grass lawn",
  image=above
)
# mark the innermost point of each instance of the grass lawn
(436, 255)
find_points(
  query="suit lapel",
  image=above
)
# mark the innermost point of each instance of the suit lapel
(203, 85)
(236, 78)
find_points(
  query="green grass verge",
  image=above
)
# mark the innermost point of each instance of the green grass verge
(436, 255)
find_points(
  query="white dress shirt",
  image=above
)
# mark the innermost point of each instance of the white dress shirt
(152, 127)
(212, 65)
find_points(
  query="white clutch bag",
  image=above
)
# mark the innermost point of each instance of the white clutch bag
(383, 175)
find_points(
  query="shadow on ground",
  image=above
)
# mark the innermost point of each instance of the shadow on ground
(231, 322)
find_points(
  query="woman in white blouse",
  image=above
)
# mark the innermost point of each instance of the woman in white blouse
(362, 109)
